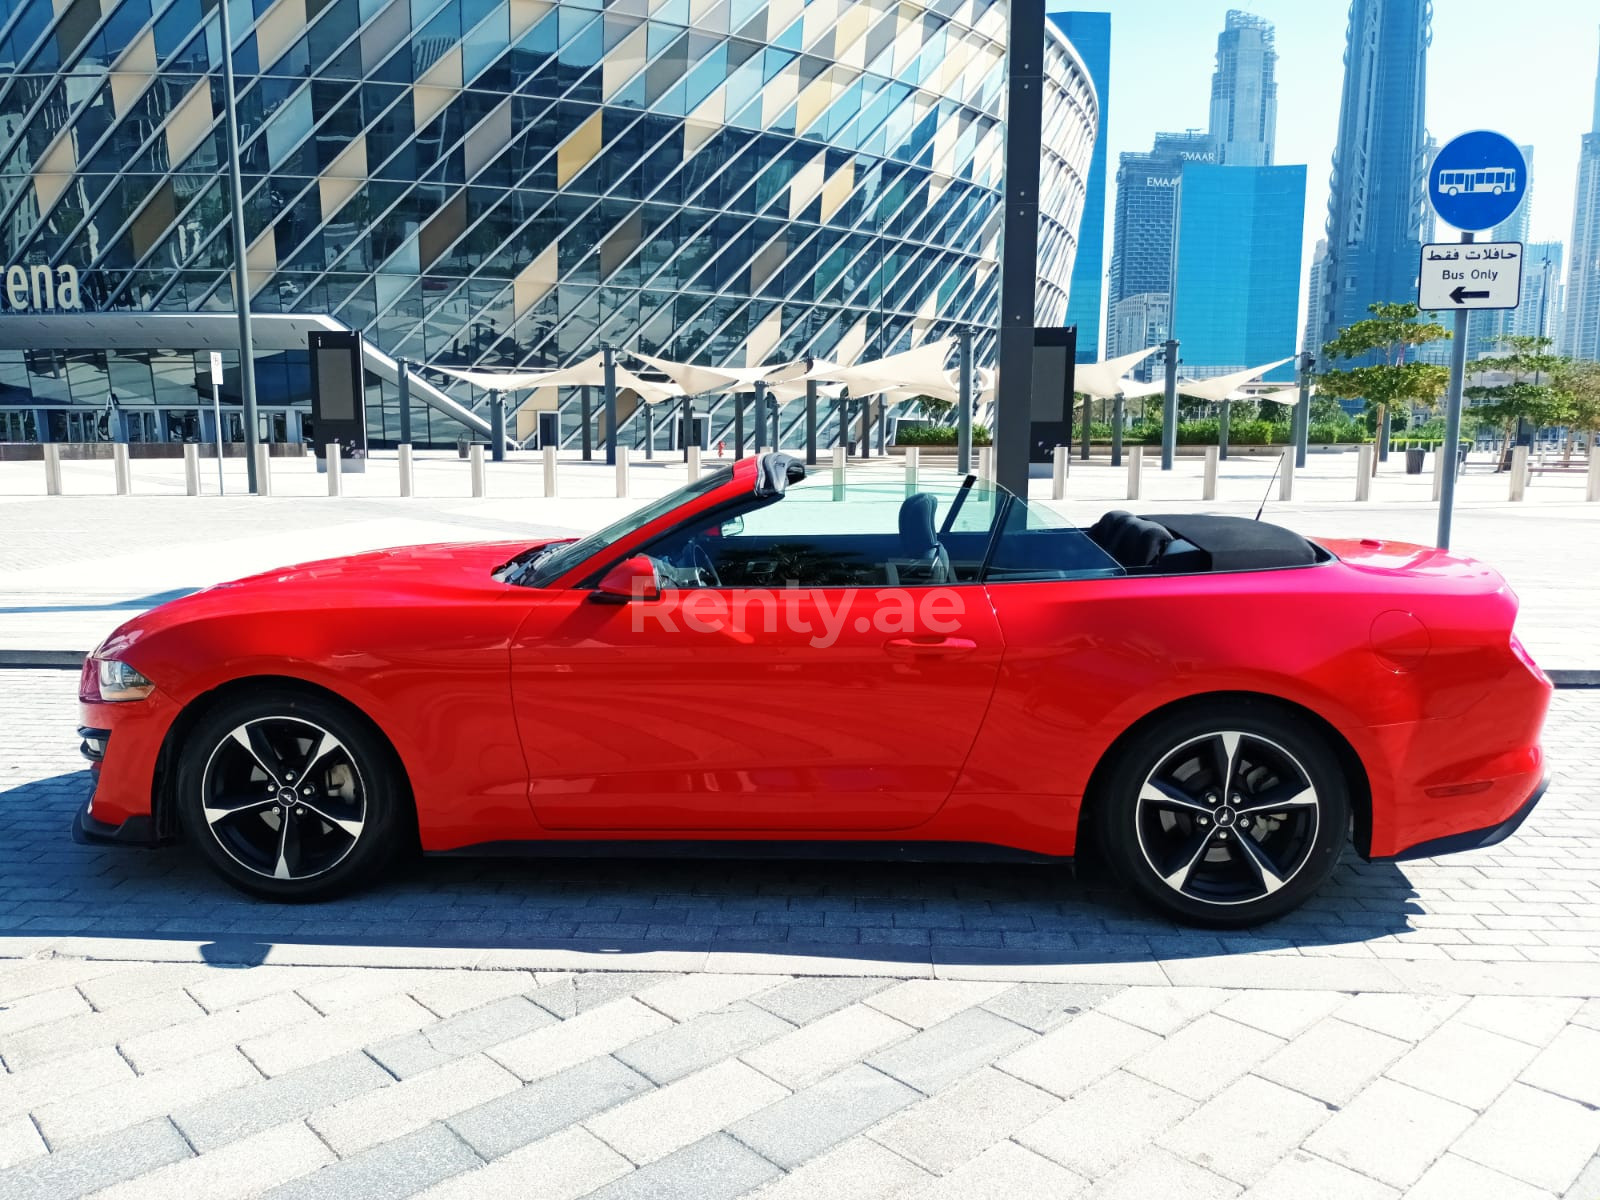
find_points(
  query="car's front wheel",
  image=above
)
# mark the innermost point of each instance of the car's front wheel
(290, 796)
(1226, 816)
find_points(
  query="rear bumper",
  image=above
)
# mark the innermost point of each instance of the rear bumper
(1472, 839)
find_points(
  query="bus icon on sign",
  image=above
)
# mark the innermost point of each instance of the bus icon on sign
(1495, 180)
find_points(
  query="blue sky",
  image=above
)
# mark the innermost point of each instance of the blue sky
(1526, 69)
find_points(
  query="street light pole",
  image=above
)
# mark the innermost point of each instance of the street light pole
(1169, 407)
(1302, 411)
(241, 269)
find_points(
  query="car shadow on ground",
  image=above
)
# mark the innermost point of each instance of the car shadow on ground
(889, 912)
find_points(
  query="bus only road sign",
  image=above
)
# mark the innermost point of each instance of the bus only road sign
(1460, 275)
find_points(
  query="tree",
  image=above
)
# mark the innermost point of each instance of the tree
(1389, 333)
(1580, 382)
(1533, 391)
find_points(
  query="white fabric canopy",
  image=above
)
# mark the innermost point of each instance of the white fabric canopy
(694, 380)
(1103, 380)
(498, 381)
(590, 372)
(1135, 389)
(1288, 395)
(918, 372)
(1219, 388)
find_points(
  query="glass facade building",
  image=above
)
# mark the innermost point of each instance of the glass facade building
(1090, 35)
(1244, 91)
(512, 183)
(1378, 193)
(1236, 267)
(1582, 324)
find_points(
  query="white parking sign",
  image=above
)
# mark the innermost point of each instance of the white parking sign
(1461, 275)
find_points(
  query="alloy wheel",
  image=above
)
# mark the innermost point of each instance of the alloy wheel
(1227, 818)
(284, 798)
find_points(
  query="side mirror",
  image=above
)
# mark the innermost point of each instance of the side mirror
(732, 528)
(631, 579)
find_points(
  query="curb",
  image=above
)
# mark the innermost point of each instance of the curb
(72, 660)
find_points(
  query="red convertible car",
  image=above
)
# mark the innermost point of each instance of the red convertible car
(764, 663)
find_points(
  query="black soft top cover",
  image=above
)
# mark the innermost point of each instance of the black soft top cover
(1239, 544)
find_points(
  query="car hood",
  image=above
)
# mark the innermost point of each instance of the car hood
(372, 579)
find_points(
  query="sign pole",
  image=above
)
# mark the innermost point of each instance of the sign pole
(1452, 421)
(216, 416)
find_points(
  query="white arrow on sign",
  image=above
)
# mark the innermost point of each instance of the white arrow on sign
(1458, 275)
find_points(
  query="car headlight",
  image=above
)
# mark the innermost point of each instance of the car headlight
(118, 681)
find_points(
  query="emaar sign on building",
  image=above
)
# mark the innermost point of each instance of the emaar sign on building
(42, 288)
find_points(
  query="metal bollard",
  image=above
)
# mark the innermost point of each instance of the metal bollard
(1058, 472)
(191, 469)
(839, 460)
(913, 465)
(480, 482)
(1364, 472)
(52, 469)
(1519, 472)
(335, 477)
(694, 461)
(1208, 489)
(1593, 490)
(549, 470)
(1135, 469)
(622, 471)
(263, 471)
(408, 478)
(1439, 458)
(1286, 475)
(119, 463)
(985, 462)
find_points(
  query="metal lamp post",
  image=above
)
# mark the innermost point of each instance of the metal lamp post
(241, 270)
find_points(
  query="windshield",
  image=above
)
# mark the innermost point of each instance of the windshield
(557, 560)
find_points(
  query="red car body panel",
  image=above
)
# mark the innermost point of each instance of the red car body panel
(532, 714)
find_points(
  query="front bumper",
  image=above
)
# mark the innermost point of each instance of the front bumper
(135, 831)
(1472, 839)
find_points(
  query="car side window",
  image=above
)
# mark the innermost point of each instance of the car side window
(871, 535)
(1037, 543)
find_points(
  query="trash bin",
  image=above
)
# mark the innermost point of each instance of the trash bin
(1414, 459)
(461, 447)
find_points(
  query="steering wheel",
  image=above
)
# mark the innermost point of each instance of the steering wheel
(698, 557)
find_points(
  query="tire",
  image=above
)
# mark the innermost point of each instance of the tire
(1172, 835)
(241, 764)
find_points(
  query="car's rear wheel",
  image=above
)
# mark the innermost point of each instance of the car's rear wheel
(290, 796)
(1225, 816)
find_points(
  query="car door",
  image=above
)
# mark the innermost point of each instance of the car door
(822, 703)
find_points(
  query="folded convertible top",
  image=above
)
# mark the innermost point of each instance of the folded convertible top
(1238, 544)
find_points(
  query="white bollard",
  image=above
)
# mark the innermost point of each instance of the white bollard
(1439, 458)
(191, 469)
(119, 463)
(408, 478)
(549, 470)
(335, 475)
(52, 469)
(1208, 489)
(913, 465)
(622, 471)
(480, 482)
(1135, 469)
(263, 470)
(1058, 472)
(1286, 475)
(694, 461)
(1519, 472)
(839, 460)
(1593, 490)
(985, 462)
(1364, 472)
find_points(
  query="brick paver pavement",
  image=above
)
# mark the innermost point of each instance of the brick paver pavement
(707, 1030)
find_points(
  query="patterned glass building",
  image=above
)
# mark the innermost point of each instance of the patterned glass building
(513, 182)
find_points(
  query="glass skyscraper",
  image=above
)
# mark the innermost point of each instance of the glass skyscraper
(502, 183)
(1090, 35)
(1236, 266)
(1583, 279)
(1141, 251)
(1244, 92)
(1488, 328)
(1377, 197)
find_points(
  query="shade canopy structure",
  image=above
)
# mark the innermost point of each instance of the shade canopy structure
(1138, 389)
(1289, 395)
(1103, 380)
(590, 372)
(917, 372)
(1222, 386)
(693, 380)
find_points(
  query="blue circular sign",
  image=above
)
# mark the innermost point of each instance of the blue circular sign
(1477, 180)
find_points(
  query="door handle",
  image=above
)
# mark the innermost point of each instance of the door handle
(914, 647)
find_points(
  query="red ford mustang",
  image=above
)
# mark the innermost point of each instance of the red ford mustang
(765, 664)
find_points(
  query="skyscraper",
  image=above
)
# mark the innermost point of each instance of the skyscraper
(1540, 313)
(1583, 276)
(1244, 92)
(1236, 266)
(1488, 328)
(1090, 34)
(1141, 248)
(1311, 336)
(1376, 201)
